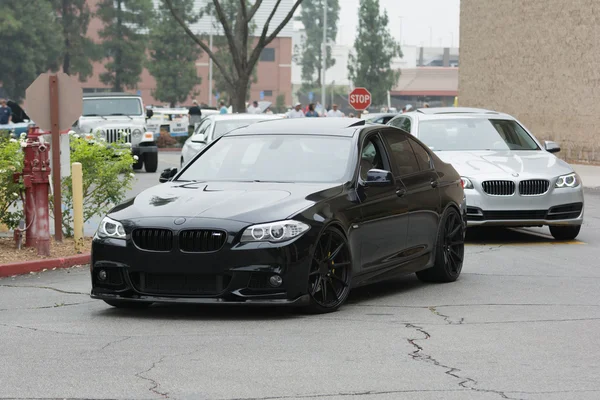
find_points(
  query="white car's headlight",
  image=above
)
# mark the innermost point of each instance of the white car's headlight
(136, 133)
(568, 181)
(466, 183)
(274, 231)
(110, 228)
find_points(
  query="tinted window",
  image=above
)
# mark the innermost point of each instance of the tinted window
(112, 106)
(422, 155)
(405, 125)
(370, 158)
(402, 153)
(268, 54)
(397, 122)
(474, 134)
(268, 158)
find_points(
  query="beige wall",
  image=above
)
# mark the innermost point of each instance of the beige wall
(538, 60)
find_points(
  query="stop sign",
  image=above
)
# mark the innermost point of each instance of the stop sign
(359, 99)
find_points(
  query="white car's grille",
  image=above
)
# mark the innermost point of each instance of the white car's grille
(533, 187)
(114, 135)
(499, 188)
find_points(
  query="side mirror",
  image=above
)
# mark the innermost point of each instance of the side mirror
(200, 138)
(551, 147)
(167, 175)
(378, 178)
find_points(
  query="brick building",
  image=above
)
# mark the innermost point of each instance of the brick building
(274, 68)
(537, 60)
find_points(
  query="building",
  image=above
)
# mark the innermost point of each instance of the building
(273, 72)
(537, 60)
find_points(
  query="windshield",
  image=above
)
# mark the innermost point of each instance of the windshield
(112, 106)
(273, 158)
(223, 127)
(475, 134)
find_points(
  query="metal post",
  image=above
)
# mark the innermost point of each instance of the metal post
(55, 158)
(77, 177)
(210, 73)
(324, 50)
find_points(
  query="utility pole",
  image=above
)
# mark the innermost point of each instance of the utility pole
(324, 57)
(210, 72)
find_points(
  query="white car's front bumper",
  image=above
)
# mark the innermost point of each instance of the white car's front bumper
(562, 206)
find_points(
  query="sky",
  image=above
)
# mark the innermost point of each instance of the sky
(424, 22)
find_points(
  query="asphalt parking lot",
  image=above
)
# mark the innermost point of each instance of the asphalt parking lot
(522, 322)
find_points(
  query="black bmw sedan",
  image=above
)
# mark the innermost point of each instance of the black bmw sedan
(285, 212)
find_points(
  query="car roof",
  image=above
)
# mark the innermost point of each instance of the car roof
(170, 110)
(377, 115)
(111, 94)
(243, 116)
(346, 127)
(455, 112)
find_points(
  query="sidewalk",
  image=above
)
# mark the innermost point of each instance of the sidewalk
(590, 175)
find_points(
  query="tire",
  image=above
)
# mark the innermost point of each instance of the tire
(566, 232)
(449, 250)
(137, 165)
(328, 289)
(151, 162)
(127, 304)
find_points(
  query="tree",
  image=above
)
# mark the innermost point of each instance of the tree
(32, 44)
(309, 53)
(123, 40)
(375, 48)
(173, 55)
(236, 31)
(79, 50)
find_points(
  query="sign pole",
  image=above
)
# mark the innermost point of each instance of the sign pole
(55, 131)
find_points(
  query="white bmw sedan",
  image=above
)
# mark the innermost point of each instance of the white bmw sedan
(213, 127)
(509, 177)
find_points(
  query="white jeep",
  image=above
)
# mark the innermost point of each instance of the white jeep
(120, 117)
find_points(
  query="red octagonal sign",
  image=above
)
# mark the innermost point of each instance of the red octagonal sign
(359, 99)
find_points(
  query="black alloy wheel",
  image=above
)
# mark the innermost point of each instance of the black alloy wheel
(450, 250)
(330, 272)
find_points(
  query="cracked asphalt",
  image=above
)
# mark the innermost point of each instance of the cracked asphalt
(522, 322)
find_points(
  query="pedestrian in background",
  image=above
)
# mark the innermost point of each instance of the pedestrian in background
(296, 112)
(319, 109)
(195, 114)
(311, 111)
(426, 105)
(254, 108)
(223, 109)
(334, 112)
(5, 113)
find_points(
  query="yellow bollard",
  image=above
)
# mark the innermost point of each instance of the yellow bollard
(77, 178)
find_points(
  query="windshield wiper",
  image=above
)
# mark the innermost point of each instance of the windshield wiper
(94, 115)
(120, 114)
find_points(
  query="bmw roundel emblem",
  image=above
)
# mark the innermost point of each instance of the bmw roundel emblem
(179, 221)
(515, 174)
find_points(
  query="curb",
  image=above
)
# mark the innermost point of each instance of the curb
(169, 149)
(26, 267)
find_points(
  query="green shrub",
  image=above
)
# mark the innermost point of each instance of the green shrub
(107, 175)
(11, 161)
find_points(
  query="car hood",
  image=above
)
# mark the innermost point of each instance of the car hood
(120, 122)
(245, 202)
(496, 164)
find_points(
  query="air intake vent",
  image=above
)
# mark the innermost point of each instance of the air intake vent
(153, 239)
(533, 187)
(499, 188)
(201, 241)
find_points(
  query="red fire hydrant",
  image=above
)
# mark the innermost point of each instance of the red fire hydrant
(36, 173)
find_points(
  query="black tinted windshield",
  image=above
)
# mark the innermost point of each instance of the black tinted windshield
(112, 106)
(475, 134)
(223, 127)
(273, 158)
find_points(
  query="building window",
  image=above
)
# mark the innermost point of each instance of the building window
(268, 54)
(96, 90)
(268, 93)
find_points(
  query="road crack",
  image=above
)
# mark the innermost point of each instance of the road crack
(447, 318)
(465, 382)
(44, 287)
(155, 384)
(115, 342)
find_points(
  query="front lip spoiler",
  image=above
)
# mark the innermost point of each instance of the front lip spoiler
(300, 301)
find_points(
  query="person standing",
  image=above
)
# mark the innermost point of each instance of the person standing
(334, 112)
(5, 113)
(195, 114)
(254, 108)
(319, 109)
(296, 112)
(311, 111)
(223, 109)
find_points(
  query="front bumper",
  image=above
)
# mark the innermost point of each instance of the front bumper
(234, 274)
(555, 207)
(144, 148)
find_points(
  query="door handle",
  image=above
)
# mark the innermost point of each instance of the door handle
(434, 184)
(400, 192)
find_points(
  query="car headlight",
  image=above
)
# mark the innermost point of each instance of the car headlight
(466, 183)
(136, 133)
(110, 228)
(568, 181)
(274, 232)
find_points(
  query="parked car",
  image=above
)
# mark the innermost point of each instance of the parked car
(287, 213)
(510, 178)
(213, 127)
(120, 117)
(378, 118)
